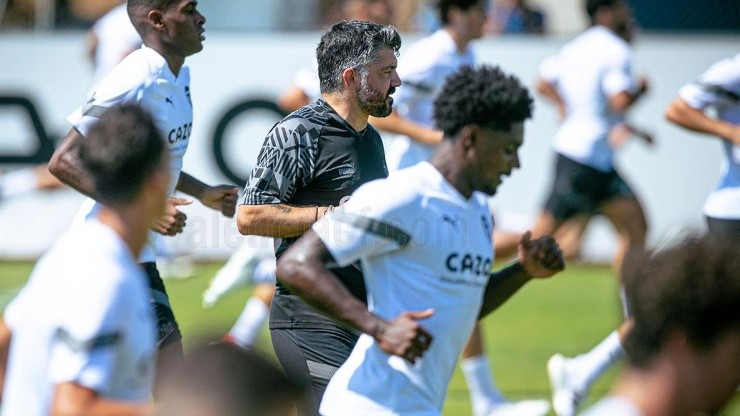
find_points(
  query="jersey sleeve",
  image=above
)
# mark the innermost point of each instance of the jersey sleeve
(119, 87)
(85, 346)
(719, 85)
(362, 228)
(549, 70)
(618, 77)
(285, 162)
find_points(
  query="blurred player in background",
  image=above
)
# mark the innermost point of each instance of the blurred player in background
(684, 348)
(592, 85)
(81, 332)
(423, 237)
(718, 88)
(155, 77)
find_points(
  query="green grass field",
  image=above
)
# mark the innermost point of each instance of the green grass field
(568, 313)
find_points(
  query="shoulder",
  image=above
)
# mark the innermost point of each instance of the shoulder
(133, 73)
(725, 72)
(402, 191)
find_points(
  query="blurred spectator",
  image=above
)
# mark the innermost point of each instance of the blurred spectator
(224, 380)
(516, 17)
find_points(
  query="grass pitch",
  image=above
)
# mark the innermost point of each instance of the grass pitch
(568, 313)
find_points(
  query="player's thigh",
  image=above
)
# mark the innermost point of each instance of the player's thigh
(628, 218)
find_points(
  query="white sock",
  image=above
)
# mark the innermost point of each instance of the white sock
(265, 271)
(588, 367)
(249, 325)
(481, 386)
(17, 182)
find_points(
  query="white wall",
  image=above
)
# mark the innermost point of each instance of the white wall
(672, 178)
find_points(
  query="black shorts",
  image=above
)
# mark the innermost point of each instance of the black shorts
(167, 329)
(580, 189)
(725, 228)
(313, 355)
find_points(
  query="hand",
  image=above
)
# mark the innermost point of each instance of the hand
(221, 198)
(541, 257)
(644, 85)
(404, 336)
(173, 221)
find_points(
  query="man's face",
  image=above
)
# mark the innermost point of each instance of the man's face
(624, 22)
(496, 155)
(471, 22)
(377, 83)
(184, 27)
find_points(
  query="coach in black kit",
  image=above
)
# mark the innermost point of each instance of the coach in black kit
(309, 161)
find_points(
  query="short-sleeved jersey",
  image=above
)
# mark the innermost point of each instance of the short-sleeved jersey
(84, 316)
(613, 406)
(423, 68)
(313, 158)
(422, 245)
(587, 71)
(144, 78)
(719, 88)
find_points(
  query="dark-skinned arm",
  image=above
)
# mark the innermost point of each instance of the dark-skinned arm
(302, 268)
(538, 259)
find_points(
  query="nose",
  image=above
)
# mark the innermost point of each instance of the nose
(201, 19)
(515, 161)
(396, 80)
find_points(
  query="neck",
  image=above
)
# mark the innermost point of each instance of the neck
(654, 391)
(174, 61)
(461, 41)
(347, 108)
(446, 159)
(129, 223)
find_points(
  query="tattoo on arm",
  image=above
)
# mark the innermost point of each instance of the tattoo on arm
(283, 208)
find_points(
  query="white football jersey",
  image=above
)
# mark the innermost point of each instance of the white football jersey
(423, 69)
(84, 316)
(719, 88)
(117, 37)
(590, 69)
(422, 245)
(144, 78)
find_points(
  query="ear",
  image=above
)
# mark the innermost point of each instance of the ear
(350, 77)
(156, 19)
(468, 135)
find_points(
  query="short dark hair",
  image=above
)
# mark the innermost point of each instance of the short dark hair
(444, 6)
(693, 286)
(351, 44)
(139, 8)
(120, 151)
(592, 6)
(231, 380)
(484, 96)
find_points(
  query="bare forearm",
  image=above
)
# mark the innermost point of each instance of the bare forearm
(277, 220)
(396, 124)
(190, 185)
(502, 285)
(5, 336)
(66, 165)
(690, 118)
(307, 277)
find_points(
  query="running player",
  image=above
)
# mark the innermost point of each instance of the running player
(718, 88)
(81, 331)
(423, 237)
(154, 77)
(591, 82)
(308, 163)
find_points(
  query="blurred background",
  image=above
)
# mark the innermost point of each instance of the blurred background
(254, 48)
